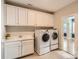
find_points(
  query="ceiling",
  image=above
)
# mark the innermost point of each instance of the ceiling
(49, 5)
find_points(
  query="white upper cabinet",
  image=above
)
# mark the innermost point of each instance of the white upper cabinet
(40, 19)
(22, 16)
(12, 13)
(31, 17)
(26, 17)
(50, 19)
(44, 19)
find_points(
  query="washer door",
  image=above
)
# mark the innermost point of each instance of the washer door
(54, 35)
(45, 37)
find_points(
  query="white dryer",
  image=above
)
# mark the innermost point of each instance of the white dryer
(53, 39)
(42, 41)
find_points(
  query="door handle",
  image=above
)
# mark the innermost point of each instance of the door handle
(65, 34)
(73, 35)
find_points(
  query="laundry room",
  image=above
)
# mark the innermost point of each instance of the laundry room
(39, 29)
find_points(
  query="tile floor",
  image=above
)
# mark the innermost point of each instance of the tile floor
(51, 55)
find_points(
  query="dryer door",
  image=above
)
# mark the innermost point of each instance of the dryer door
(55, 35)
(45, 37)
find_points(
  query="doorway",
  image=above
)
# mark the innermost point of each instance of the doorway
(69, 34)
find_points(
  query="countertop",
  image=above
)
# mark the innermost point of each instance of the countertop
(20, 36)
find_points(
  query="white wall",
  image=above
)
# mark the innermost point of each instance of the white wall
(2, 27)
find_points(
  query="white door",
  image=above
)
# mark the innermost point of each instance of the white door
(12, 50)
(27, 47)
(31, 17)
(73, 34)
(12, 13)
(22, 16)
(69, 33)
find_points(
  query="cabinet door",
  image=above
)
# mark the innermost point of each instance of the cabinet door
(27, 47)
(22, 16)
(50, 20)
(12, 50)
(40, 19)
(12, 13)
(43, 19)
(31, 17)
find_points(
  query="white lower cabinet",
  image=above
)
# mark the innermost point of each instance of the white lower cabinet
(27, 47)
(16, 49)
(12, 50)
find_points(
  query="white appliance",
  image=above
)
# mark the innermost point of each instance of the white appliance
(53, 39)
(42, 41)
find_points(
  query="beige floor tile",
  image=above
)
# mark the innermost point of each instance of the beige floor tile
(50, 55)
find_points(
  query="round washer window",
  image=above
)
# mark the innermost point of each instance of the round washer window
(55, 35)
(45, 37)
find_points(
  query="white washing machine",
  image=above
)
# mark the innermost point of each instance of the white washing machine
(53, 39)
(42, 41)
